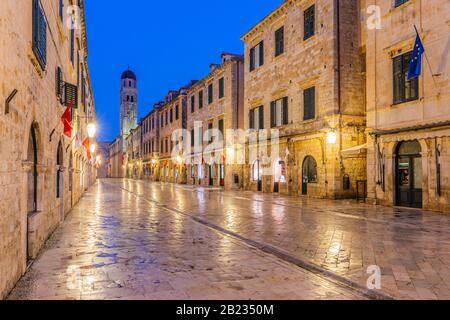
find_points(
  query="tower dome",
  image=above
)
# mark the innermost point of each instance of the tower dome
(128, 75)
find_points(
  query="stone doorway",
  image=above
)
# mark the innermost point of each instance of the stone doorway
(409, 175)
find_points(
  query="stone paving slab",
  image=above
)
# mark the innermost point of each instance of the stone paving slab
(411, 247)
(115, 245)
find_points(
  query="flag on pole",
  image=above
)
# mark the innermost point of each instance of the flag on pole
(87, 145)
(415, 65)
(66, 119)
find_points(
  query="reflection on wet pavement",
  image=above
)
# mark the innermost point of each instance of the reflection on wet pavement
(136, 244)
(411, 247)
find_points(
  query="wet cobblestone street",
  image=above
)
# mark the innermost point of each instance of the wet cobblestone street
(116, 244)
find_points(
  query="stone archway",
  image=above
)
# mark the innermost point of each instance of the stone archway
(309, 173)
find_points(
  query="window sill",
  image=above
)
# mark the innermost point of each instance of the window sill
(311, 38)
(40, 69)
(281, 55)
(408, 102)
(400, 7)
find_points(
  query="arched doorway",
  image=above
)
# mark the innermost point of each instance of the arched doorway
(409, 174)
(309, 173)
(33, 175)
(257, 173)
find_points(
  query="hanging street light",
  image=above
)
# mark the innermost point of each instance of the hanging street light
(91, 130)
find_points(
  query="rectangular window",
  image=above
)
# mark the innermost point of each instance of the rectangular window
(210, 93)
(167, 145)
(279, 112)
(257, 56)
(309, 103)
(400, 2)
(39, 34)
(192, 137)
(61, 10)
(167, 117)
(171, 115)
(221, 128)
(193, 104)
(72, 46)
(200, 136)
(279, 41)
(257, 118)
(309, 22)
(210, 126)
(404, 90)
(177, 112)
(221, 88)
(200, 99)
(162, 120)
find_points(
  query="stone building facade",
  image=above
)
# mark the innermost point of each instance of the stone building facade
(116, 158)
(215, 102)
(408, 160)
(150, 144)
(133, 160)
(172, 119)
(42, 172)
(304, 83)
(103, 160)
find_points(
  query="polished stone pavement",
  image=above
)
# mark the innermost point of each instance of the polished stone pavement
(137, 240)
(411, 247)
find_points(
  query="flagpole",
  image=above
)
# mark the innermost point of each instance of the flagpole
(428, 63)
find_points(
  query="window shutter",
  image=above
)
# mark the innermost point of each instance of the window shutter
(261, 53)
(252, 59)
(285, 110)
(309, 102)
(397, 79)
(261, 117)
(58, 80)
(273, 119)
(252, 119)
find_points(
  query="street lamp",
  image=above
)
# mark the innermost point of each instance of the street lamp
(331, 137)
(91, 130)
(92, 148)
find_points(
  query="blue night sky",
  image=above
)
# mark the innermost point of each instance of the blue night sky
(166, 43)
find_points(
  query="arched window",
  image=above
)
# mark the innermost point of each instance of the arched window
(256, 171)
(310, 170)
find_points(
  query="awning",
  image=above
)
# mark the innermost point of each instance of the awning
(362, 149)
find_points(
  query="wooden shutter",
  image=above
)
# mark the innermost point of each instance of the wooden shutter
(252, 59)
(71, 94)
(39, 26)
(252, 119)
(309, 102)
(261, 53)
(221, 88)
(273, 119)
(261, 117)
(285, 110)
(398, 79)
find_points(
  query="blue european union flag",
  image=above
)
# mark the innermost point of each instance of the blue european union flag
(415, 65)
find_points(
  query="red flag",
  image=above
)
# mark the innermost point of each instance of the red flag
(87, 145)
(66, 119)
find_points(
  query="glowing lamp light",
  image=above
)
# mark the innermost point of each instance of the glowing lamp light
(331, 137)
(179, 159)
(91, 130)
(98, 158)
(92, 148)
(153, 161)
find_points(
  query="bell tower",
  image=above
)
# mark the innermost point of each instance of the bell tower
(128, 103)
